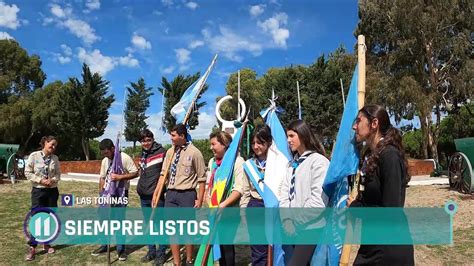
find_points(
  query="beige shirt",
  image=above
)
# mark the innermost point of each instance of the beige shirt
(190, 169)
(129, 167)
(241, 184)
(35, 169)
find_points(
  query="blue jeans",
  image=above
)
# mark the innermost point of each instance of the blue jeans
(145, 201)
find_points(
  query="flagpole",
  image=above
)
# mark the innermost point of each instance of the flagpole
(162, 112)
(342, 92)
(238, 93)
(361, 48)
(162, 180)
(299, 100)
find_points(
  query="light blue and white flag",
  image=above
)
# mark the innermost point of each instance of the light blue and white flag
(186, 102)
(344, 162)
(268, 185)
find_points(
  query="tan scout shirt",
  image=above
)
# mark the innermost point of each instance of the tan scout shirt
(35, 169)
(190, 170)
(129, 167)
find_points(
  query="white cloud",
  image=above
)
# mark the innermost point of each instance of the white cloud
(93, 4)
(206, 123)
(167, 3)
(256, 10)
(140, 42)
(157, 13)
(196, 44)
(8, 16)
(59, 12)
(128, 61)
(82, 30)
(63, 59)
(230, 44)
(102, 63)
(192, 5)
(66, 49)
(64, 18)
(167, 70)
(5, 36)
(96, 61)
(182, 55)
(274, 26)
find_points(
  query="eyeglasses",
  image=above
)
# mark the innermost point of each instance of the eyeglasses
(146, 140)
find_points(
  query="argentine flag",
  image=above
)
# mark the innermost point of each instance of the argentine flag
(180, 109)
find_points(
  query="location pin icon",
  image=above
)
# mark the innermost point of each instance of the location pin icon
(67, 199)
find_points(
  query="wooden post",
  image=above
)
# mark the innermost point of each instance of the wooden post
(361, 62)
(346, 249)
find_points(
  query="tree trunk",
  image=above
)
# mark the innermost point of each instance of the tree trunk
(85, 147)
(134, 145)
(430, 141)
(424, 133)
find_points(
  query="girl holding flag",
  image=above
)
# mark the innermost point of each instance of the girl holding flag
(384, 178)
(303, 185)
(261, 142)
(220, 141)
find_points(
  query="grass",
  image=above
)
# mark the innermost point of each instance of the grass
(14, 205)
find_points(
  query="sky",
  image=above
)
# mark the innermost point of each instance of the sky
(125, 40)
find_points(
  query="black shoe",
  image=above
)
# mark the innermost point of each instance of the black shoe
(151, 255)
(101, 250)
(160, 258)
(122, 256)
(189, 263)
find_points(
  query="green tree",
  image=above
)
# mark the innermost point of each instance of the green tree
(173, 91)
(251, 92)
(138, 101)
(20, 74)
(85, 108)
(420, 59)
(456, 125)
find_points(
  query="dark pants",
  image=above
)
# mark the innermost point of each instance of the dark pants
(259, 252)
(180, 198)
(301, 254)
(227, 255)
(43, 197)
(145, 201)
(120, 216)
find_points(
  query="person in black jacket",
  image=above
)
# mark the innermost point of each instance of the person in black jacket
(151, 162)
(384, 179)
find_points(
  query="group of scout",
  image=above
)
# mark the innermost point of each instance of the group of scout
(385, 182)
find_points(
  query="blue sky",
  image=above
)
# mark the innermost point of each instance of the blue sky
(126, 40)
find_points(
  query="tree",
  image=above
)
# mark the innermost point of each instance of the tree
(251, 92)
(136, 106)
(20, 74)
(456, 125)
(85, 108)
(420, 60)
(173, 91)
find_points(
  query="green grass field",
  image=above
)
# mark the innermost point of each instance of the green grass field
(15, 203)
